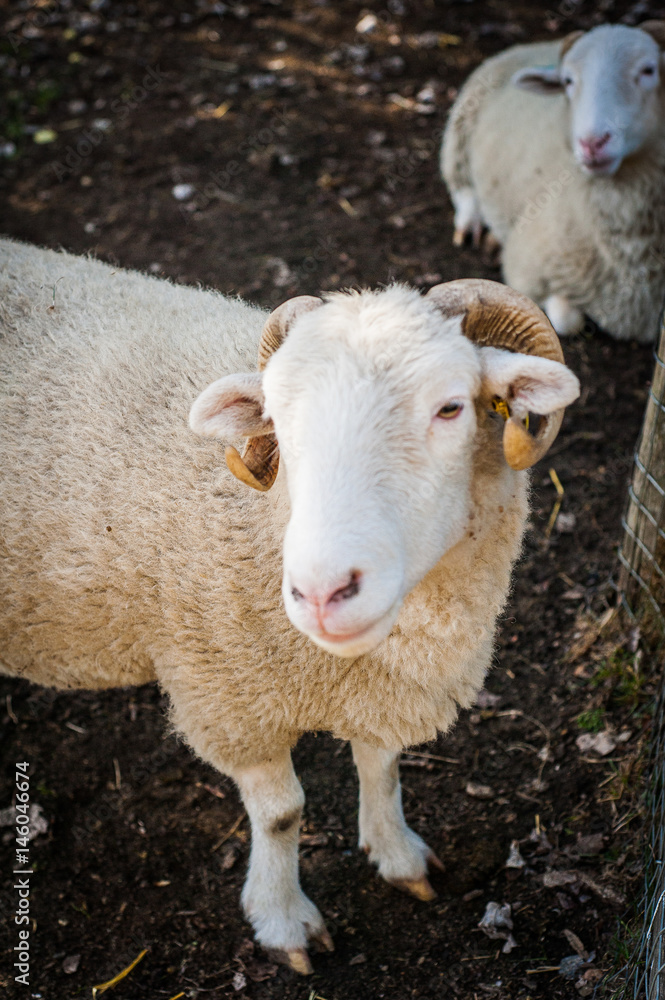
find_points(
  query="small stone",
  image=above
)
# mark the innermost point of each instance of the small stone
(570, 966)
(71, 964)
(515, 859)
(181, 192)
(552, 880)
(496, 922)
(601, 743)
(592, 843)
(44, 135)
(239, 981)
(366, 24)
(426, 94)
(229, 857)
(358, 959)
(509, 945)
(477, 791)
(565, 524)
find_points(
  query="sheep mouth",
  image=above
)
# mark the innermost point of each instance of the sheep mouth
(600, 165)
(342, 637)
(353, 644)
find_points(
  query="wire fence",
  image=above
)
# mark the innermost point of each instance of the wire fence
(642, 556)
(642, 593)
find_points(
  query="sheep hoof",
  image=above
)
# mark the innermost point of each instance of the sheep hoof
(418, 887)
(458, 237)
(435, 861)
(477, 235)
(296, 959)
(322, 941)
(491, 245)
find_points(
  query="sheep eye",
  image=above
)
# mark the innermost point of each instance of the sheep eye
(450, 411)
(648, 70)
(567, 81)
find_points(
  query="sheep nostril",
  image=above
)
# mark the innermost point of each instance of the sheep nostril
(349, 590)
(593, 145)
(296, 594)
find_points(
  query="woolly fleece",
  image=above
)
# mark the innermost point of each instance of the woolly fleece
(599, 242)
(129, 553)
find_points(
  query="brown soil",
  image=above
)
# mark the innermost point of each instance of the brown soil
(307, 174)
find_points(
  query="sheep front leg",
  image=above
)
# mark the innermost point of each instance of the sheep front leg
(400, 854)
(284, 919)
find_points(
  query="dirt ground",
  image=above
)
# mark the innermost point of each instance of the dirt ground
(270, 149)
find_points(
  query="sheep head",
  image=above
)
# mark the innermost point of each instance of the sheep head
(374, 399)
(611, 77)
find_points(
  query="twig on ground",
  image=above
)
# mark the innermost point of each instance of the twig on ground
(230, 832)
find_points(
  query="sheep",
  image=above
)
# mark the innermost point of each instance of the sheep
(559, 149)
(387, 533)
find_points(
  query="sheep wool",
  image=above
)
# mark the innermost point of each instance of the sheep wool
(574, 241)
(130, 554)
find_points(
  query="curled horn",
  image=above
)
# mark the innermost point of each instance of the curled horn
(497, 316)
(568, 42)
(656, 29)
(257, 466)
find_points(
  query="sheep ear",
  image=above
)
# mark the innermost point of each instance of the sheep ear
(527, 383)
(231, 407)
(539, 79)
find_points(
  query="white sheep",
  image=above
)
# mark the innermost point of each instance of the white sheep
(129, 554)
(559, 149)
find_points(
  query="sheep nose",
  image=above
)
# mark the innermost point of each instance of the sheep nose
(592, 146)
(331, 595)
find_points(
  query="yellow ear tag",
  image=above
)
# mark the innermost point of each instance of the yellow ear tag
(501, 406)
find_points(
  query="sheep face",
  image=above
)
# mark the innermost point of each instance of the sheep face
(374, 401)
(611, 78)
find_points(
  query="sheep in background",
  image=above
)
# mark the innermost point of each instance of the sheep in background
(559, 149)
(129, 555)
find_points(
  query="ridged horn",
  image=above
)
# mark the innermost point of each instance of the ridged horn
(259, 463)
(656, 29)
(568, 41)
(497, 316)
